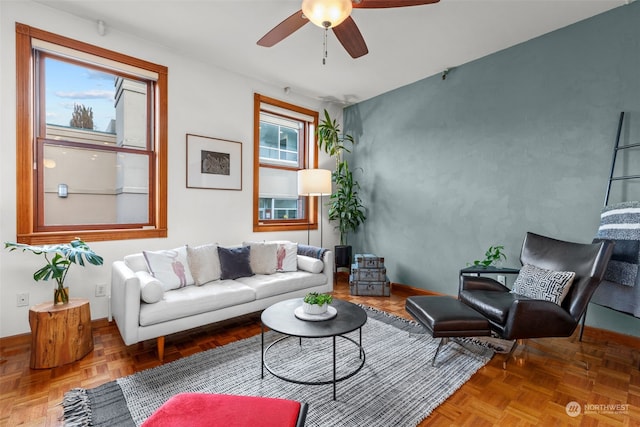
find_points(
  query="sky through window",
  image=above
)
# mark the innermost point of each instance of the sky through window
(68, 84)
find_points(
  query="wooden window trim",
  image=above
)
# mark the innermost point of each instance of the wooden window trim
(26, 196)
(311, 203)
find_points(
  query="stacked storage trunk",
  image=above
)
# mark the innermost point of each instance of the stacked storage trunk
(369, 276)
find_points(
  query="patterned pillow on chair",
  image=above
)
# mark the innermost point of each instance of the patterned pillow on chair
(539, 283)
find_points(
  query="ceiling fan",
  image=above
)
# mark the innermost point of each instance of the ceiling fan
(334, 14)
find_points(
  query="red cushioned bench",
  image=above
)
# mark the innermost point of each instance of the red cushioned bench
(200, 410)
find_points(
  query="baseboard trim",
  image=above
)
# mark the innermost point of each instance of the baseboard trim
(603, 336)
(399, 288)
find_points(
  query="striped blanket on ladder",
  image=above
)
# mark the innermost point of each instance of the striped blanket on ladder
(619, 289)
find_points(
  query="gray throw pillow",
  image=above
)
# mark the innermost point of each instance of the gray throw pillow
(235, 262)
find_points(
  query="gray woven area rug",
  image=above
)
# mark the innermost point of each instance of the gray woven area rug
(397, 386)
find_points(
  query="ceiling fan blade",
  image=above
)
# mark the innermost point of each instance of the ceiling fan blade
(350, 37)
(380, 4)
(283, 29)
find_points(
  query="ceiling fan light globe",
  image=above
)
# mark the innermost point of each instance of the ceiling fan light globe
(326, 13)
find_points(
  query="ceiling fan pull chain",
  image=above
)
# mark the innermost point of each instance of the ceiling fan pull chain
(324, 46)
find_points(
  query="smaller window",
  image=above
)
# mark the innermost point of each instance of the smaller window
(284, 143)
(280, 140)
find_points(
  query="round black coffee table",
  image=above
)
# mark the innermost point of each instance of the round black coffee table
(280, 318)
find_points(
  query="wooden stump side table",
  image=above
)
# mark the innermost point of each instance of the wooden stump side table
(60, 334)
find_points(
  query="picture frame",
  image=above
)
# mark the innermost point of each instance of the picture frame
(213, 163)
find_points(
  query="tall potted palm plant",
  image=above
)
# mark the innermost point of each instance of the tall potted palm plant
(345, 205)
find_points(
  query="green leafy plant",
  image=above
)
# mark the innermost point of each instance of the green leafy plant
(318, 299)
(491, 256)
(345, 205)
(59, 259)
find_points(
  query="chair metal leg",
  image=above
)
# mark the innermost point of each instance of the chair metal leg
(510, 354)
(455, 340)
(584, 319)
(442, 342)
(580, 363)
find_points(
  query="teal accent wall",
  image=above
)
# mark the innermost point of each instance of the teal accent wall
(520, 140)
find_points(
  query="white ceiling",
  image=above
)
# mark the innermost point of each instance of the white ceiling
(405, 44)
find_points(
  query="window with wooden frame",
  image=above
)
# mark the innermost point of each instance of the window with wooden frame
(284, 143)
(91, 142)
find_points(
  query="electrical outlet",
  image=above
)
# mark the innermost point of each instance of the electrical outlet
(23, 299)
(503, 280)
(101, 290)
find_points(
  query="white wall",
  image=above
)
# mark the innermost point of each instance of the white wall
(203, 100)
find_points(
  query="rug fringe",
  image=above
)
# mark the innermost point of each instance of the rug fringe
(76, 408)
(389, 315)
(497, 345)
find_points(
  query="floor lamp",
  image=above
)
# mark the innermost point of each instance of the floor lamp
(314, 182)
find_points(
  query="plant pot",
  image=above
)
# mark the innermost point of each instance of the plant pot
(343, 256)
(314, 308)
(61, 296)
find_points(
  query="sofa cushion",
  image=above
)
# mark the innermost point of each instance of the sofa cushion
(280, 283)
(312, 265)
(204, 263)
(494, 305)
(151, 289)
(539, 283)
(193, 300)
(235, 262)
(170, 267)
(263, 257)
(136, 262)
(287, 256)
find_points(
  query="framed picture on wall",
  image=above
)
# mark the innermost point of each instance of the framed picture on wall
(213, 163)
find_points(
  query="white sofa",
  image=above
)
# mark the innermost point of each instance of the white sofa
(133, 282)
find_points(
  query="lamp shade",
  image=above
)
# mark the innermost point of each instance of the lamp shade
(326, 13)
(314, 182)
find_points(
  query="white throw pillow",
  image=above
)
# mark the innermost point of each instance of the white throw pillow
(539, 283)
(263, 257)
(204, 263)
(136, 262)
(151, 289)
(287, 256)
(170, 267)
(310, 264)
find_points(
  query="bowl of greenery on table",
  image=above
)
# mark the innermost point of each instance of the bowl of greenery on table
(315, 303)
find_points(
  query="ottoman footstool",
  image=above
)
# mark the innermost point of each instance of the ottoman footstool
(200, 410)
(446, 317)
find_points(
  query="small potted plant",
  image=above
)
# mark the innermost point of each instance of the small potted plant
(58, 261)
(493, 256)
(315, 303)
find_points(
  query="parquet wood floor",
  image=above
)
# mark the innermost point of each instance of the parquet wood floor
(533, 390)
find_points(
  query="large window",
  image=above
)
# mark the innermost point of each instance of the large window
(284, 143)
(91, 141)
